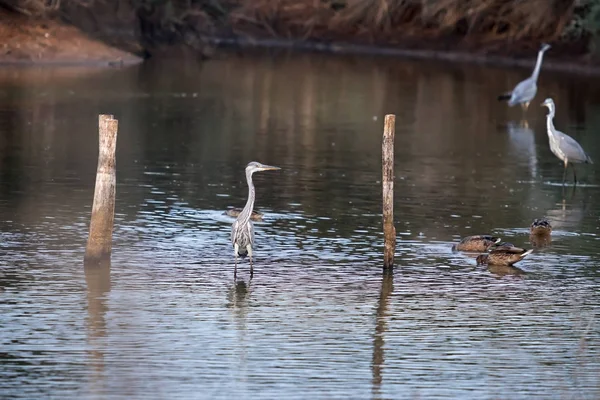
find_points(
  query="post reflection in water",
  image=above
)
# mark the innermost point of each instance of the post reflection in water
(97, 279)
(569, 211)
(381, 322)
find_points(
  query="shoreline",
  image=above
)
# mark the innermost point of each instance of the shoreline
(70, 63)
(456, 56)
(120, 58)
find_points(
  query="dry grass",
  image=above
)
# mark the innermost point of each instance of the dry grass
(387, 20)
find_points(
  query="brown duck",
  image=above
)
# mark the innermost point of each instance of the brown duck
(476, 243)
(503, 255)
(502, 245)
(540, 227)
(234, 212)
(540, 233)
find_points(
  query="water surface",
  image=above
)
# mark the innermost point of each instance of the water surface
(318, 319)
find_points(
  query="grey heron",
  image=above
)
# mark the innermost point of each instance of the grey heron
(242, 231)
(525, 91)
(476, 243)
(564, 146)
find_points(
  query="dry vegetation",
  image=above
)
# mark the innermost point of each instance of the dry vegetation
(389, 20)
(493, 25)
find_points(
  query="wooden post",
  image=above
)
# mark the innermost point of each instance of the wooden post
(389, 231)
(99, 243)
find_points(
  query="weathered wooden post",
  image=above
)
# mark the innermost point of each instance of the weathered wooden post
(99, 243)
(389, 231)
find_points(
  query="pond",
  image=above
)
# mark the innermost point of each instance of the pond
(318, 319)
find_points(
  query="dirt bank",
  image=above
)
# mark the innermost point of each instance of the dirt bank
(25, 40)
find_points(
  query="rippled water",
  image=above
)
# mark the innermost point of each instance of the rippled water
(319, 319)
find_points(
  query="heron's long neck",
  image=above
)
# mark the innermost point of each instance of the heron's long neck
(550, 122)
(245, 214)
(538, 65)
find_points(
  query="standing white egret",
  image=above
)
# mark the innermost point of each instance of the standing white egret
(242, 231)
(564, 146)
(525, 91)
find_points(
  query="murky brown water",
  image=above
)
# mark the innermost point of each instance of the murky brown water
(318, 320)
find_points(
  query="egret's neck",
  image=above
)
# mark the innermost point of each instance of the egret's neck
(538, 65)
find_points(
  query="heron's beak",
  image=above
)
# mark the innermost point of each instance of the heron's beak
(264, 167)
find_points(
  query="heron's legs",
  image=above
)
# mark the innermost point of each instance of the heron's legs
(574, 173)
(565, 171)
(525, 106)
(249, 248)
(236, 247)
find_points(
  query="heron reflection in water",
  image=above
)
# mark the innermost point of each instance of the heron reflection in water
(242, 230)
(522, 140)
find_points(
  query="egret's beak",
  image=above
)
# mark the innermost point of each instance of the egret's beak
(264, 167)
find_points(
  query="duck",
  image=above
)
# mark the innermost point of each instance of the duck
(540, 227)
(502, 245)
(234, 212)
(477, 243)
(504, 255)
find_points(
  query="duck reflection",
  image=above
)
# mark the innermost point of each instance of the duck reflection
(539, 242)
(504, 270)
